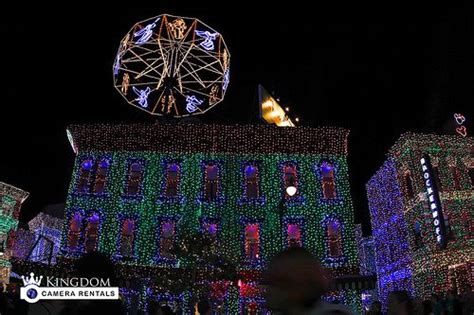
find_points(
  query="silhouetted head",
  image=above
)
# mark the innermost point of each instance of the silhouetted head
(400, 303)
(96, 265)
(295, 279)
(204, 307)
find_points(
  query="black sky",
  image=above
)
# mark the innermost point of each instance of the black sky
(379, 71)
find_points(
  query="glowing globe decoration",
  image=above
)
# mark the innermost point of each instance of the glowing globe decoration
(172, 66)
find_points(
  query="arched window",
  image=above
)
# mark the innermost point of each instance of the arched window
(471, 175)
(167, 238)
(84, 178)
(211, 181)
(252, 189)
(447, 228)
(210, 228)
(417, 234)
(290, 178)
(456, 177)
(75, 226)
(334, 238)
(252, 241)
(172, 180)
(135, 174)
(127, 237)
(92, 232)
(294, 235)
(328, 181)
(408, 185)
(437, 178)
(101, 176)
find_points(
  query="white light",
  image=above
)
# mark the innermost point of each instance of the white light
(1, 253)
(291, 190)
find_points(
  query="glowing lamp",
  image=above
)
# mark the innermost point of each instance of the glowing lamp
(291, 190)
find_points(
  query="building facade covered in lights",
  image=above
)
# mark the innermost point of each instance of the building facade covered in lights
(11, 199)
(366, 253)
(136, 189)
(422, 210)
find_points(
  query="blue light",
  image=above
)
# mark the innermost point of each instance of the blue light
(145, 33)
(209, 37)
(104, 164)
(87, 164)
(117, 65)
(192, 103)
(225, 84)
(142, 96)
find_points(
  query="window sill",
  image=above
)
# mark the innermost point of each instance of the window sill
(168, 200)
(252, 201)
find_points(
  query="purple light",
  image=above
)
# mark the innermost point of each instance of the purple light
(104, 164)
(94, 218)
(87, 164)
(326, 168)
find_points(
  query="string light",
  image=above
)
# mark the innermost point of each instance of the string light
(11, 199)
(408, 255)
(231, 149)
(167, 58)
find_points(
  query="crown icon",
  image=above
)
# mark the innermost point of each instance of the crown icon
(32, 279)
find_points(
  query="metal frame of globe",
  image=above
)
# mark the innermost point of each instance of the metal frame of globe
(172, 66)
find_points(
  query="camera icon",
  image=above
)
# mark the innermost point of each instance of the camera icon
(30, 293)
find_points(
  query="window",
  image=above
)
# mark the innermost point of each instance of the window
(328, 181)
(417, 235)
(294, 235)
(7, 205)
(101, 176)
(447, 227)
(468, 224)
(408, 185)
(92, 233)
(456, 179)
(437, 178)
(167, 239)
(172, 180)
(290, 178)
(85, 172)
(471, 175)
(211, 182)
(75, 225)
(135, 174)
(252, 241)
(209, 229)
(127, 238)
(252, 190)
(334, 238)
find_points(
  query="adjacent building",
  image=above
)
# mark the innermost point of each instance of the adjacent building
(11, 199)
(422, 211)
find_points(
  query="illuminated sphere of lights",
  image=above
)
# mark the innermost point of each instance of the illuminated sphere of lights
(172, 66)
(291, 190)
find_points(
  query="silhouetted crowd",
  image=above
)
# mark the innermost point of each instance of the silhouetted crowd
(294, 282)
(400, 303)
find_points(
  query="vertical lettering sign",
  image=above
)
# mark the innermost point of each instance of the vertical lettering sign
(434, 201)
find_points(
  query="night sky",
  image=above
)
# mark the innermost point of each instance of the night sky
(379, 71)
